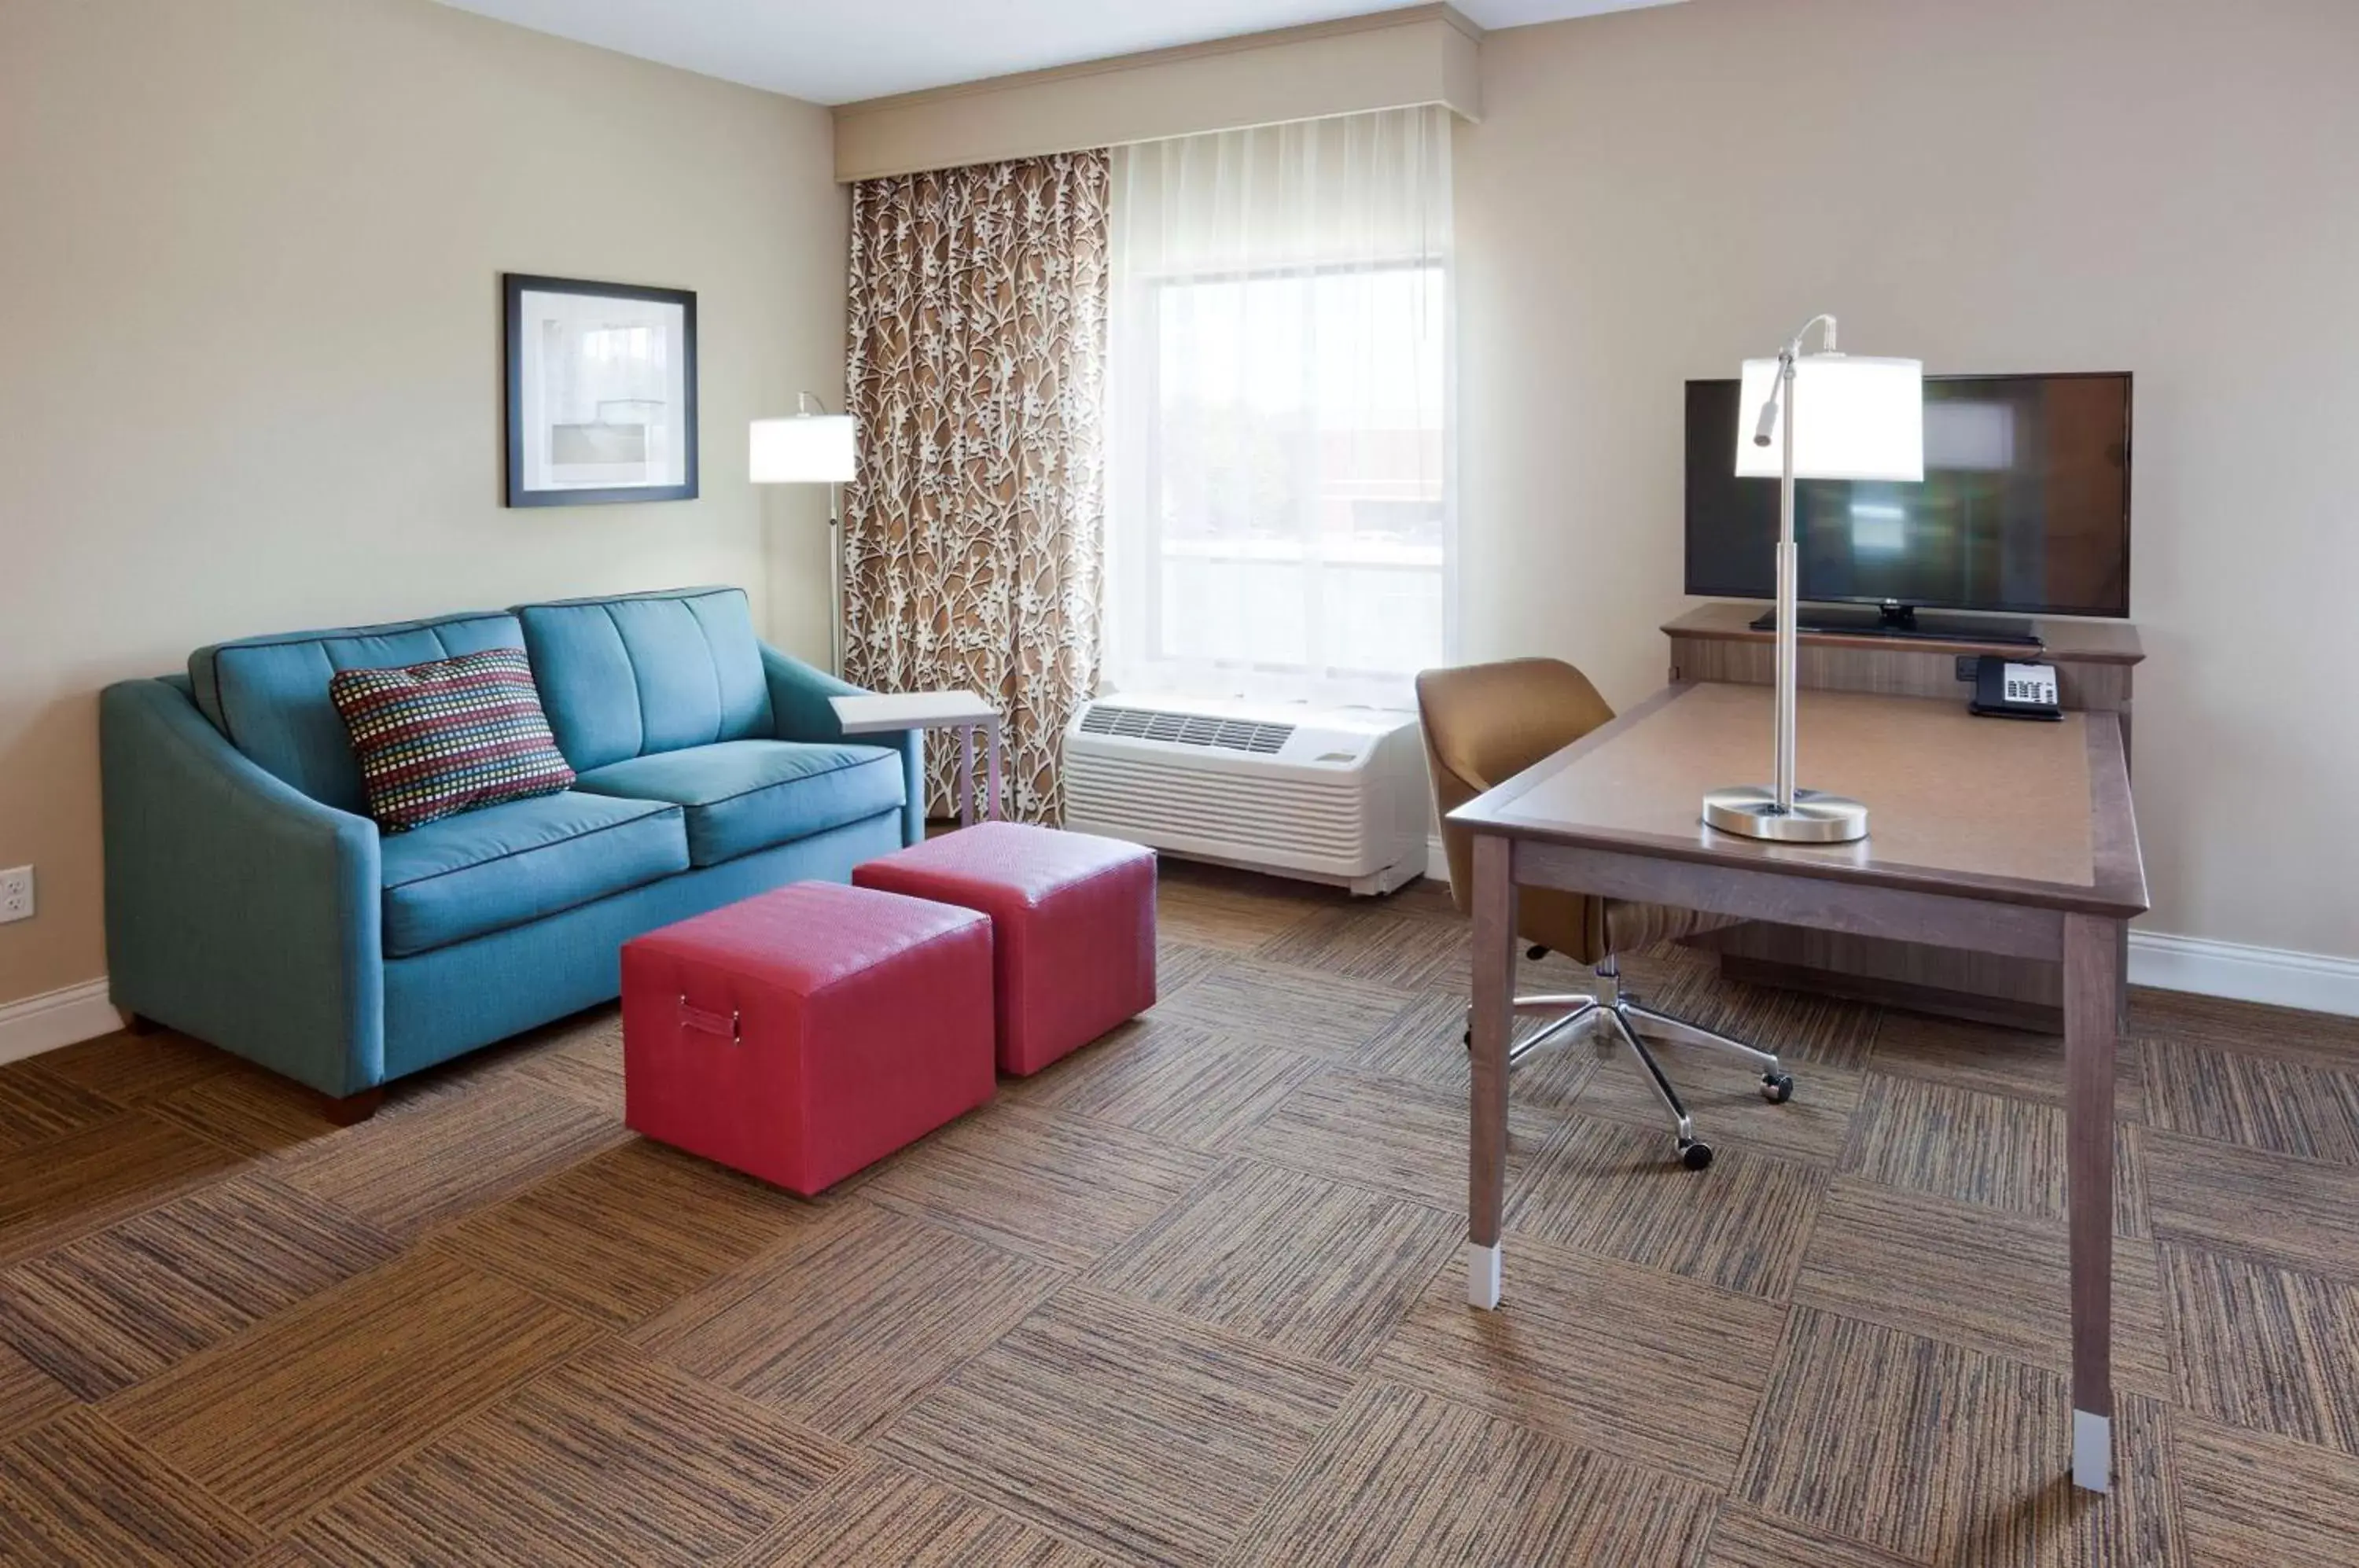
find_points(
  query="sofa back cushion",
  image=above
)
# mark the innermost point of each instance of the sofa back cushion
(647, 673)
(269, 694)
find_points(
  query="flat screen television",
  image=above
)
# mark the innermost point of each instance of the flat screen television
(2024, 507)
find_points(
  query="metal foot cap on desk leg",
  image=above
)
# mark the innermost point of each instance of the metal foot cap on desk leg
(1482, 1276)
(2093, 1451)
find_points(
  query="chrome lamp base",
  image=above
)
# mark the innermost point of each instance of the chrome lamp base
(1815, 816)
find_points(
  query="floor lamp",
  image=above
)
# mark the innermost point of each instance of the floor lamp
(812, 447)
(1822, 416)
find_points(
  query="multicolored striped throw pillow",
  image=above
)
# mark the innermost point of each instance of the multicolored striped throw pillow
(447, 737)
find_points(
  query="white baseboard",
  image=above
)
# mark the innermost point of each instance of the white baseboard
(53, 1019)
(2282, 978)
(2310, 981)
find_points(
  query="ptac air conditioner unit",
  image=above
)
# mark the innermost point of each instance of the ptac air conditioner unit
(1334, 796)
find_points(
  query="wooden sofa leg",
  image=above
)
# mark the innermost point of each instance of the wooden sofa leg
(353, 1108)
(139, 1023)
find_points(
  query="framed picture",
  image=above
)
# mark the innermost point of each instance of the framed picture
(601, 392)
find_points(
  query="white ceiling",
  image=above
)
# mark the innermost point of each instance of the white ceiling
(834, 51)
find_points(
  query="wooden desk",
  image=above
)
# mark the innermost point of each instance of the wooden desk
(2013, 839)
(2095, 663)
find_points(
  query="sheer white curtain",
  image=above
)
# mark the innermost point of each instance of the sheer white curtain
(1280, 467)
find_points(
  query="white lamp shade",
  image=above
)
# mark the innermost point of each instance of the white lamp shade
(806, 449)
(1858, 418)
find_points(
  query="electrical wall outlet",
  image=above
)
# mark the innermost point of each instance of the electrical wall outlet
(15, 894)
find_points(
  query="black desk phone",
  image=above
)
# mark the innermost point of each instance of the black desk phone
(2006, 688)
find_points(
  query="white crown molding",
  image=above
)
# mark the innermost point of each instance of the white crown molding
(53, 1019)
(2309, 981)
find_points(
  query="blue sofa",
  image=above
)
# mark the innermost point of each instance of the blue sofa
(251, 902)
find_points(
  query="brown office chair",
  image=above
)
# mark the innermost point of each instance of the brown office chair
(1484, 724)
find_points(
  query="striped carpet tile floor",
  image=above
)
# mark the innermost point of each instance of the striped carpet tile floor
(1192, 1297)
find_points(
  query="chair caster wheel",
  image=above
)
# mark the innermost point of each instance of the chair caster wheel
(1536, 953)
(1777, 1087)
(1470, 1036)
(1694, 1153)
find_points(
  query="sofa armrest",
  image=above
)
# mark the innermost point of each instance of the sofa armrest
(799, 710)
(238, 908)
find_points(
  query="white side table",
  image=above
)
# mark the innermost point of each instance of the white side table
(873, 713)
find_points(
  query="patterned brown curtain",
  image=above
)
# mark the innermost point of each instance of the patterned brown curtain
(974, 536)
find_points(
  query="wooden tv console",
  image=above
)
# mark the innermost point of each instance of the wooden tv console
(2094, 661)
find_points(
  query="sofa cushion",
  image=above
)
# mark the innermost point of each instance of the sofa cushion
(744, 795)
(448, 735)
(504, 866)
(647, 673)
(269, 694)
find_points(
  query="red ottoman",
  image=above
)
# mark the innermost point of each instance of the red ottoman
(802, 1034)
(1073, 921)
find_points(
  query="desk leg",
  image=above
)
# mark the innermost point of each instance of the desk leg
(1494, 997)
(2093, 990)
(2121, 979)
(965, 734)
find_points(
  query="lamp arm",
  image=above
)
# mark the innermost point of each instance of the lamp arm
(1785, 358)
(1826, 344)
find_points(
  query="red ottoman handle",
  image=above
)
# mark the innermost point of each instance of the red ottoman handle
(705, 1021)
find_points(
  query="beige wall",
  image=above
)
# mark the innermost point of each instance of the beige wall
(249, 371)
(1391, 59)
(248, 357)
(2160, 185)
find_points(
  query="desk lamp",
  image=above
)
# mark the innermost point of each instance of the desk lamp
(811, 447)
(1860, 419)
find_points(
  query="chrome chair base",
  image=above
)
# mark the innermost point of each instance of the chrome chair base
(1633, 1023)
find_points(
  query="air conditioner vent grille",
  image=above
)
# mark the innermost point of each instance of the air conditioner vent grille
(1187, 729)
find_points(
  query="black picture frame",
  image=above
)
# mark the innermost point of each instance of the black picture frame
(514, 287)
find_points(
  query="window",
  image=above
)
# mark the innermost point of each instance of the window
(1281, 497)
